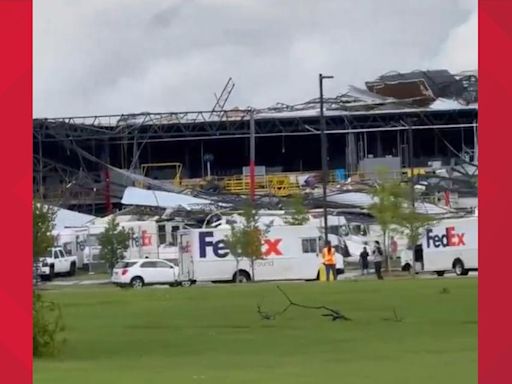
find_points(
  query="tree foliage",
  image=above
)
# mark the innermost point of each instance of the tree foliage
(43, 217)
(47, 324)
(389, 198)
(298, 212)
(393, 211)
(246, 240)
(412, 224)
(113, 242)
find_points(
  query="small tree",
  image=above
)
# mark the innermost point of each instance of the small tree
(46, 316)
(388, 206)
(113, 242)
(235, 242)
(412, 224)
(43, 217)
(299, 213)
(47, 323)
(247, 239)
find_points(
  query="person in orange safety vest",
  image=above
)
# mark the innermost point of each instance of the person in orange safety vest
(329, 258)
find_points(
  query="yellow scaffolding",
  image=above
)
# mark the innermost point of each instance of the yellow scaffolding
(276, 184)
(178, 167)
(417, 171)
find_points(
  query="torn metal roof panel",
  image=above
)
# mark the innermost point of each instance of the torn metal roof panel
(65, 218)
(150, 198)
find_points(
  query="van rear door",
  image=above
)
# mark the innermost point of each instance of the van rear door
(185, 256)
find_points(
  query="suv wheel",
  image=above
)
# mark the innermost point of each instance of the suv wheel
(137, 282)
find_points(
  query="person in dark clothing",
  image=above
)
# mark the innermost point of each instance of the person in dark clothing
(363, 259)
(378, 255)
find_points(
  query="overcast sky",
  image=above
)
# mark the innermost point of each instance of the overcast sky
(125, 56)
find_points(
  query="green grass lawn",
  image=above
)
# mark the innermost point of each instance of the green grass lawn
(214, 334)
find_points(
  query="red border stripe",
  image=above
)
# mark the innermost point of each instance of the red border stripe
(16, 190)
(495, 95)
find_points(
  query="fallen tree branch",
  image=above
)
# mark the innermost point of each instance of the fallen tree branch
(334, 314)
(396, 317)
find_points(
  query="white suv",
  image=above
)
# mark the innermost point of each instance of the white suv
(140, 272)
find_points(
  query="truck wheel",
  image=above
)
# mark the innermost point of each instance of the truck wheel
(243, 277)
(137, 282)
(458, 266)
(406, 268)
(72, 269)
(440, 273)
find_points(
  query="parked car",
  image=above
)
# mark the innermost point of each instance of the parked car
(55, 262)
(137, 273)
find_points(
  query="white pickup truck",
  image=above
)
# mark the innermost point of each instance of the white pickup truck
(55, 262)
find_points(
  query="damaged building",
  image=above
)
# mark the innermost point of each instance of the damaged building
(76, 158)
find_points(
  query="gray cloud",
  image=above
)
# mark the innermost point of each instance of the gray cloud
(122, 56)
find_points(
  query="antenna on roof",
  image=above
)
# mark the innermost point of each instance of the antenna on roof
(220, 101)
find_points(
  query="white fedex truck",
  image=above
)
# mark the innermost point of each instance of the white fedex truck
(450, 245)
(81, 242)
(152, 239)
(352, 237)
(289, 253)
(72, 241)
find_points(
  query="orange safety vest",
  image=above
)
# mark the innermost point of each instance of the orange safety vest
(329, 257)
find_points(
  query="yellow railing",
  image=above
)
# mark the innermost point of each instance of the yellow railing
(278, 184)
(417, 171)
(275, 184)
(177, 167)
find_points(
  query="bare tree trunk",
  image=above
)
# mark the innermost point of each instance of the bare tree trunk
(385, 251)
(413, 266)
(237, 261)
(252, 270)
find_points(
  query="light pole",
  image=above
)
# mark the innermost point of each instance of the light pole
(208, 158)
(411, 166)
(252, 160)
(325, 171)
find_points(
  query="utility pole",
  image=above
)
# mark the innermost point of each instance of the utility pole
(325, 170)
(411, 169)
(475, 141)
(411, 166)
(41, 187)
(252, 164)
(107, 181)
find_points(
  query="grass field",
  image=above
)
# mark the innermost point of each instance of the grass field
(214, 334)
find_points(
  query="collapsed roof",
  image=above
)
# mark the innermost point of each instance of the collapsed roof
(432, 89)
(424, 87)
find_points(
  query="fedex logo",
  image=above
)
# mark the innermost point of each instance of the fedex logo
(80, 244)
(449, 239)
(220, 250)
(185, 248)
(144, 240)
